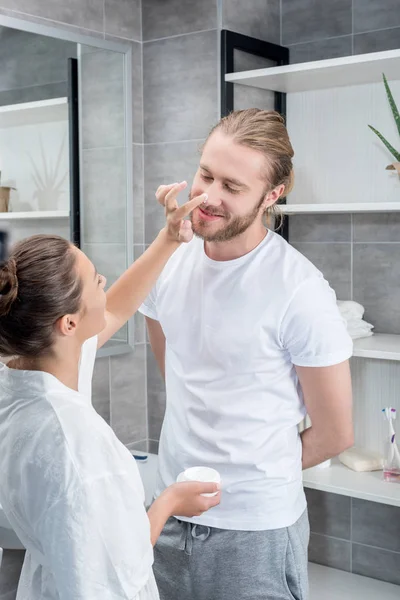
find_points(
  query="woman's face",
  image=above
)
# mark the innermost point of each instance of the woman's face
(93, 308)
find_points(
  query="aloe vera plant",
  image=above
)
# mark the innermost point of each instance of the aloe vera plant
(396, 116)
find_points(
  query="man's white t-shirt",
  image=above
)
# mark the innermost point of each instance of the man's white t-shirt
(234, 332)
(71, 491)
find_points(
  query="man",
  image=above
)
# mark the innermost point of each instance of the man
(249, 337)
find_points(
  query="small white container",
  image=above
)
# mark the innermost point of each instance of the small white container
(204, 474)
(324, 465)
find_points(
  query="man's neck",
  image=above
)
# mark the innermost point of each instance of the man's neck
(238, 246)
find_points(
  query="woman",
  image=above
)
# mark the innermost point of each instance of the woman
(70, 489)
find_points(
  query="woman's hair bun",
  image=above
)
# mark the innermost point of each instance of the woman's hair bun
(8, 286)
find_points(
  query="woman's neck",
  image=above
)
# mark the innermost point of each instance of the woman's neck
(62, 363)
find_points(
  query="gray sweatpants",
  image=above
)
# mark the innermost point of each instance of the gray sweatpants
(193, 562)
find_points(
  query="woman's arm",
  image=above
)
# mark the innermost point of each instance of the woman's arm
(131, 289)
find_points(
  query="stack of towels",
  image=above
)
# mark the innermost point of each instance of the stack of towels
(353, 313)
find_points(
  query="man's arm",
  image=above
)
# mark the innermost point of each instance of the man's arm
(328, 399)
(157, 342)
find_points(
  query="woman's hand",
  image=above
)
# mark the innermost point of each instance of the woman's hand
(177, 228)
(185, 499)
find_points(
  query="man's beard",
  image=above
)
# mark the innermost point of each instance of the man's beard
(233, 227)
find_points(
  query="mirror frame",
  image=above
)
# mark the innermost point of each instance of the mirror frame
(124, 48)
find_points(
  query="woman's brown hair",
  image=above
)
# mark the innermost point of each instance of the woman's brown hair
(38, 285)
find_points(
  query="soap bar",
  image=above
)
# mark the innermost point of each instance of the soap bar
(361, 460)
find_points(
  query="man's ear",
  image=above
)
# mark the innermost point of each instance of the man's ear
(273, 196)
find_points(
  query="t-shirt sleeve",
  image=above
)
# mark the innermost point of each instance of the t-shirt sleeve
(313, 331)
(149, 306)
(96, 540)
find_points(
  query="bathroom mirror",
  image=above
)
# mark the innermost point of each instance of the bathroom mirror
(66, 145)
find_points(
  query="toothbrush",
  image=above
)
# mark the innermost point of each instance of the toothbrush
(390, 414)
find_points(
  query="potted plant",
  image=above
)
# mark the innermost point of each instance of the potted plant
(5, 196)
(396, 164)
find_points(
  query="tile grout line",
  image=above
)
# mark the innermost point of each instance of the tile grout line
(141, 21)
(324, 39)
(171, 37)
(111, 37)
(351, 525)
(375, 548)
(132, 444)
(174, 142)
(109, 388)
(351, 257)
(343, 243)
(335, 37)
(28, 87)
(352, 27)
(155, 441)
(103, 148)
(219, 26)
(142, 63)
(146, 391)
(53, 22)
(219, 14)
(332, 537)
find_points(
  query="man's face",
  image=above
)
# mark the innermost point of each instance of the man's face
(233, 176)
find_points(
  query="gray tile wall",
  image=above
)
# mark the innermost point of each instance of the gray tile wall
(32, 67)
(104, 163)
(119, 385)
(355, 535)
(359, 255)
(314, 30)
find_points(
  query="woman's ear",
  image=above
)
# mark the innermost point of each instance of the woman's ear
(67, 325)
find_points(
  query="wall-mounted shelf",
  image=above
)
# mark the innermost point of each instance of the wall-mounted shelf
(330, 584)
(44, 214)
(323, 74)
(362, 207)
(383, 346)
(338, 479)
(31, 113)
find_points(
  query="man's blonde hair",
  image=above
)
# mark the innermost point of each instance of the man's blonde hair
(264, 131)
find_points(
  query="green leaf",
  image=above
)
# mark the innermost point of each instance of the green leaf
(392, 103)
(388, 146)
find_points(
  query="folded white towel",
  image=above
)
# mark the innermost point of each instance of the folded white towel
(352, 312)
(358, 328)
(350, 309)
(356, 335)
(359, 324)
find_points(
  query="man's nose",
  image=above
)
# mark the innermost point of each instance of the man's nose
(214, 194)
